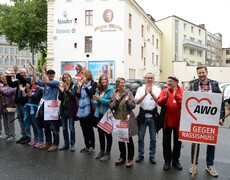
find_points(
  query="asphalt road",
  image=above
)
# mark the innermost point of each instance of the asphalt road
(21, 162)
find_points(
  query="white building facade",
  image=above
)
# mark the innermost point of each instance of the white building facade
(182, 41)
(112, 37)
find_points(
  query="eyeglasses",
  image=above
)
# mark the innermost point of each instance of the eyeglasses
(149, 78)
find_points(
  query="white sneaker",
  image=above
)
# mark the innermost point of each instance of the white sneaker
(10, 139)
(212, 171)
(190, 170)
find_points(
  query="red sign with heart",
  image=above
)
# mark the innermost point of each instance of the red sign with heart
(198, 101)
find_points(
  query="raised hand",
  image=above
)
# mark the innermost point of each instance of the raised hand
(61, 87)
(31, 65)
(127, 97)
(44, 66)
(117, 96)
(21, 87)
(8, 72)
(15, 69)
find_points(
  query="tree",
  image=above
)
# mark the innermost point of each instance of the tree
(41, 60)
(25, 23)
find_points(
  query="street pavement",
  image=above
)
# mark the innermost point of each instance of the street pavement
(21, 162)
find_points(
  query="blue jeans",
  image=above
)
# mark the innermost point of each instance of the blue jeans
(150, 122)
(64, 122)
(24, 131)
(37, 129)
(210, 154)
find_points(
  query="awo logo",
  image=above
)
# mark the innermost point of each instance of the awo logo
(200, 109)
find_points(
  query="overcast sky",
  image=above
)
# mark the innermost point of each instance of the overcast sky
(213, 13)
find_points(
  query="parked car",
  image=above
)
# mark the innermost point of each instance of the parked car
(139, 81)
(226, 93)
(222, 86)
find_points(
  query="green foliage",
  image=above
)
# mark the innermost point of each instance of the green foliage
(41, 60)
(25, 24)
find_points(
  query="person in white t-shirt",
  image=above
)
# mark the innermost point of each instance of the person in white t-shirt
(146, 96)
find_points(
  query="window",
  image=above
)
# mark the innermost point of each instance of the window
(6, 61)
(227, 52)
(11, 61)
(1, 61)
(23, 62)
(199, 41)
(199, 53)
(157, 44)
(1, 50)
(75, 45)
(228, 61)
(6, 50)
(88, 44)
(88, 17)
(192, 39)
(130, 47)
(153, 59)
(12, 51)
(199, 32)
(142, 31)
(184, 26)
(184, 37)
(142, 52)
(157, 60)
(130, 21)
(192, 29)
(18, 62)
(191, 51)
(153, 39)
(17, 52)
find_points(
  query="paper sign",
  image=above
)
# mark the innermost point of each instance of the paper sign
(200, 113)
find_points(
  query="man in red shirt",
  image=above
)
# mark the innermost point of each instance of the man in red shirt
(172, 98)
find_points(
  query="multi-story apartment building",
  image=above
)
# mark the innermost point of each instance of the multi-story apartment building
(112, 37)
(226, 57)
(10, 56)
(214, 51)
(182, 41)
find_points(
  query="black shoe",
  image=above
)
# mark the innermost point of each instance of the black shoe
(177, 165)
(139, 159)
(26, 140)
(152, 160)
(20, 140)
(166, 166)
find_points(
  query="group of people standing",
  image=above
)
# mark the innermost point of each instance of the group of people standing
(26, 96)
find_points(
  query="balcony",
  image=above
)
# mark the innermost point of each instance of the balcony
(195, 45)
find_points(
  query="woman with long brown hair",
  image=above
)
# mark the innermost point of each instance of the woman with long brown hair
(101, 100)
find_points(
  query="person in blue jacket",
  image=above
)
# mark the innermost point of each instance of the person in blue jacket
(101, 100)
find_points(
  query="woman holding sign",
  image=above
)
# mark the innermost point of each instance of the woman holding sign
(122, 103)
(101, 100)
(172, 98)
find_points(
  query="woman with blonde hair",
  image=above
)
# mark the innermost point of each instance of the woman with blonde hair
(122, 103)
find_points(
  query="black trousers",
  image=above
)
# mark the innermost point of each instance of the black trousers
(167, 150)
(122, 148)
(88, 132)
(102, 135)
